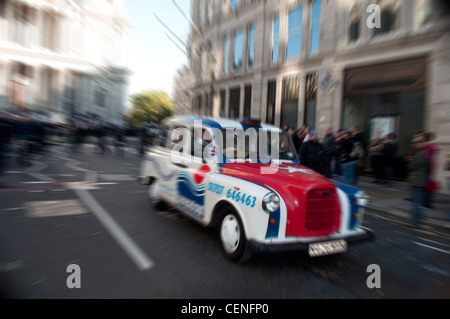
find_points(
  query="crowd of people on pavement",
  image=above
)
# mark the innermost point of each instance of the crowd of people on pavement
(337, 153)
(340, 154)
(30, 132)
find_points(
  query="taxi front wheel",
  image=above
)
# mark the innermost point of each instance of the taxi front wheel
(232, 237)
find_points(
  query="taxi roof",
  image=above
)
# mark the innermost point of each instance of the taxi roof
(219, 122)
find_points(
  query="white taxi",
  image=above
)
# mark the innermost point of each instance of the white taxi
(243, 177)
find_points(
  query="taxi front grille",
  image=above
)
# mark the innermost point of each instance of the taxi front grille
(322, 212)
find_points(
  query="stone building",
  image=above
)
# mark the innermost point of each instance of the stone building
(64, 57)
(326, 63)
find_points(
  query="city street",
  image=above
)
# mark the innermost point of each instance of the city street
(88, 209)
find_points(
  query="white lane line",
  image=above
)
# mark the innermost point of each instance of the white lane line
(136, 254)
(12, 209)
(433, 248)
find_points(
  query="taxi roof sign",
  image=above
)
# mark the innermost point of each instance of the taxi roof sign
(251, 122)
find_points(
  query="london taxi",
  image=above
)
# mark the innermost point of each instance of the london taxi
(244, 178)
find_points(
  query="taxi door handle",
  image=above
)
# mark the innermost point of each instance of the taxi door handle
(180, 165)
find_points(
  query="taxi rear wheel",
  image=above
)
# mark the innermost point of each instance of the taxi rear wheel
(154, 199)
(232, 237)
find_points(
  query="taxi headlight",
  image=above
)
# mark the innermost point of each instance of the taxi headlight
(362, 199)
(271, 203)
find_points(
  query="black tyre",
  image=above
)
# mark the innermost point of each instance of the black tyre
(154, 200)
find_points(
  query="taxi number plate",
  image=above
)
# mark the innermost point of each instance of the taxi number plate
(327, 248)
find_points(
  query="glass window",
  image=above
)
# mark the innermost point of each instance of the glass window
(315, 26)
(289, 103)
(251, 45)
(271, 98)
(238, 49)
(275, 38)
(354, 31)
(294, 44)
(248, 100)
(233, 4)
(235, 100)
(389, 12)
(423, 12)
(226, 45)
(311, 99)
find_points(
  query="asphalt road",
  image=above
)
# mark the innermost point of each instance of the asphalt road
(88, 210)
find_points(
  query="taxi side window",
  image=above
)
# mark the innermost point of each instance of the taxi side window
(164, 136)
(200, 140)
(177, 138)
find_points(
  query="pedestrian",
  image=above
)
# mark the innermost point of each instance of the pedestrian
(390, 153)
(304, 133)
(312, 154)
(329, 146)
(431, 151)
(286, 127)
(377, 158)
(417, 178)
(348, 159)
(338, 152)
(358, 142)
(295, 138)
(6, 131)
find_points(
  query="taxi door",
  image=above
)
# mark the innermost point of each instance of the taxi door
(192, 178)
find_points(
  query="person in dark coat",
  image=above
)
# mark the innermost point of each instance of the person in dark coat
(6, 130)
(295, 138)
(312, 154)
(329, 145)
(417, 178)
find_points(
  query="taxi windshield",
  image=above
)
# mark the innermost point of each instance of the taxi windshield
(262, 145)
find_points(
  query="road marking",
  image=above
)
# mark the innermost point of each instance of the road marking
(141, 260)
(12, 209)
(45, 209)
(434, 242)
(433, 248)
(6, 267)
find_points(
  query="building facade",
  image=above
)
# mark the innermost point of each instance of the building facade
(326, 63)
(64, 57)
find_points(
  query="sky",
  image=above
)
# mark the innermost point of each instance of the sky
(152, 57)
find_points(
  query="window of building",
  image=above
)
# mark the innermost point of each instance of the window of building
(233, 4)
(389, 16)
(294, 44)
(354, 30)
(315, 26)
(311, 99)
(275, 37)
(2, 8)
(271, 100)
(423, 12)
(251, 45)
(248, 100)
(289, 101)
(100, 97)
(223, 96)
(204, 65)
(208, 105)
(235, 101)
(226, 48)
(238, 49)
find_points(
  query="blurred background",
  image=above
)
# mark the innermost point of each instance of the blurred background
(84, 86)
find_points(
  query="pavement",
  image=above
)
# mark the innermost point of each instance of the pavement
(394, 200)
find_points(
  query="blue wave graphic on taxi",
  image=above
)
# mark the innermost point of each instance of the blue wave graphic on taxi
(192, 195)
